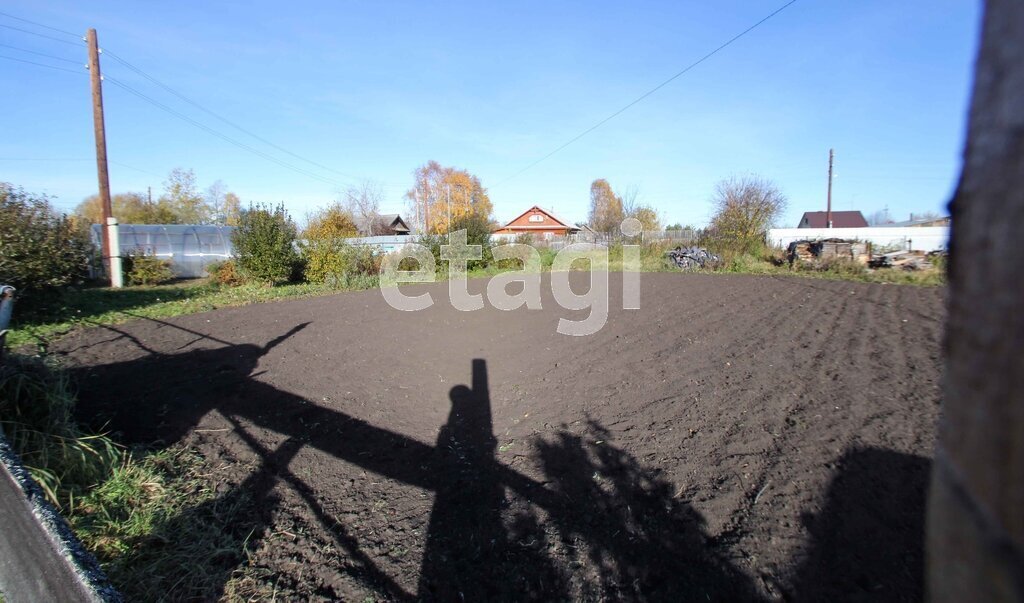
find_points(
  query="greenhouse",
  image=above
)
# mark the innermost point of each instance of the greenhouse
(189, 247)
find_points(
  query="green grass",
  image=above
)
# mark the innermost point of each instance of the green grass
(161, 530)
(45, 321)
(837, 270)
(157, 521)
(36, 406)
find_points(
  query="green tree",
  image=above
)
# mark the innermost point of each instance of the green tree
(265, 243)
(40, 248)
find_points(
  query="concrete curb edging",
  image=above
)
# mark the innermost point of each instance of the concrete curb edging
(40, 557)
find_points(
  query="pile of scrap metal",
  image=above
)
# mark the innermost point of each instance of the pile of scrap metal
(815, 251)
(692, 258)
(905, 260)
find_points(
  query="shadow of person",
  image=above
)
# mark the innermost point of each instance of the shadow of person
(468, 554)
(867, 543)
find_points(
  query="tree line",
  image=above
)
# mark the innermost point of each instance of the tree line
(445, 198)
(180, 203)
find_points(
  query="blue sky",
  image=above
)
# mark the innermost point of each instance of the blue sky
(374, 89)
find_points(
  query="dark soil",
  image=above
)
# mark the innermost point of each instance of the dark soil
(737, 438)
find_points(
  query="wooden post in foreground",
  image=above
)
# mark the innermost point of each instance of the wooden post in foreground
(100, 130)
(975, 542)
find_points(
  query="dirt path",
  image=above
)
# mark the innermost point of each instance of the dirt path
(737, 437)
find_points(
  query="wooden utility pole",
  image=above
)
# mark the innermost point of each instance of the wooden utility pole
(101, 142)
(828, 210)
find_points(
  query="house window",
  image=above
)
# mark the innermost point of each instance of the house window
(536, 218)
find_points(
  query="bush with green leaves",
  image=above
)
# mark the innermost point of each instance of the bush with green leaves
(141, 268)
(40, 248)
(265, 244)
(335, 262)
(478, 232)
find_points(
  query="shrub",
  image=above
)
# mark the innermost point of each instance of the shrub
(745, 208)
(141, 268)
(333, 222)
(846, 267)
(334, 262)
(225, 273)
(40, 249)
(478, 232)
(836, 266)
(265, 244)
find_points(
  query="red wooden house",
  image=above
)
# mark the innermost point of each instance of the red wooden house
(538, 222)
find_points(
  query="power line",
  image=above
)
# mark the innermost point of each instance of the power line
(63, 31)
(59, 159)
(126, 166)
(183, 98)
(34, 33)
(651, 91)
(221, 118)
(223, 137)
(191, 121)
(42, 65)
(42, 54)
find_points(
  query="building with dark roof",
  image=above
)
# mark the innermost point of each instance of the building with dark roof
(382, 224)
(840, 219)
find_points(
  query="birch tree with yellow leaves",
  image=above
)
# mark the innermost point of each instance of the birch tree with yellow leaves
(442, 196)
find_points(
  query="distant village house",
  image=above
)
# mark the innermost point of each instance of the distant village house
(382, 225)
(538, 222)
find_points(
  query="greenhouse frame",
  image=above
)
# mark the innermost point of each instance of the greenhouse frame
(189, 247)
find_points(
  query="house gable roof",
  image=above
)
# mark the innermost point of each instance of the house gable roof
(394, 221)
(840, 219)
(558, 222)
